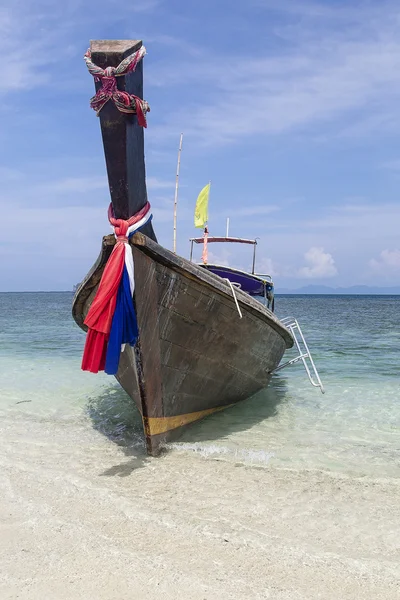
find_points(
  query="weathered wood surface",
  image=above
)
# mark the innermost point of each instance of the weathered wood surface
(210, 281)
(207, 351)
(123, 138)
(149, 357)
(195, 355)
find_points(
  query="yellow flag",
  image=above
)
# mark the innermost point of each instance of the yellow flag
(201, 211)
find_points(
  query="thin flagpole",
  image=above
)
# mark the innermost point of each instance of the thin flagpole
(204, 256)
(176, 189)
(209, 190)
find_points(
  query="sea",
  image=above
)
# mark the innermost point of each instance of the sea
(290, 495)
(353, 429)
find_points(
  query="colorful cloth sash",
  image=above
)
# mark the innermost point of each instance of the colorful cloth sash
(111, 319)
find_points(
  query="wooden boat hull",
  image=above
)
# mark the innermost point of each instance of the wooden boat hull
(195, 355)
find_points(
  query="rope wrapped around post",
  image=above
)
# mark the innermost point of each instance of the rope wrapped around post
(111, 319)
(126, 103)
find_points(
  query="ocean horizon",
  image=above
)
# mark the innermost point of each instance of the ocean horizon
(277, 293)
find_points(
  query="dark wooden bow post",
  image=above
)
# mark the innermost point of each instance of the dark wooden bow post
(123, 138)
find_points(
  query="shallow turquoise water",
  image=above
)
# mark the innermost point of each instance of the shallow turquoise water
(353, 428)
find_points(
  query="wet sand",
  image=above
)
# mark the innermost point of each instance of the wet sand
(82, 517)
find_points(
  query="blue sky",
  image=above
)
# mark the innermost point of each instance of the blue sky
(291, 108)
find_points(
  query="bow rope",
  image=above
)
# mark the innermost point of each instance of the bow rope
(126, 103)
(111, 319)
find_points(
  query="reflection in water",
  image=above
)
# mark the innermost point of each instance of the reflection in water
(114, 414)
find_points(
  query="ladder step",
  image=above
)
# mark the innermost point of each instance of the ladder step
(304, 353)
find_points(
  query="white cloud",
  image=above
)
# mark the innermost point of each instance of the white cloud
(26, 46)
(173, 42)
(320, 264)
(142, 7)
(322, 73)
(348, 222)
(354, 233)
(73, 184)
(76, 189)
(250, 211)
(8, 174)
(37, 37)
(266, 266)
(388, 259)
(393, 165)
(299, 8)
(153, 183)
(221, 257)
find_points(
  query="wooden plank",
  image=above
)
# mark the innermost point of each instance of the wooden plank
(206, 390)
(233, 349)
(146, 301)
(203, 361)
(186, 301)
(123, 138)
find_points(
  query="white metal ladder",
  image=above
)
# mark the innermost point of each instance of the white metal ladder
(304, 353)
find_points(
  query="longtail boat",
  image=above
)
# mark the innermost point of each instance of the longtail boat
(191, 342)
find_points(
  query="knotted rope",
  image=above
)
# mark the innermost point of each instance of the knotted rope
(111, 319)
(123, 228)
(126, 103)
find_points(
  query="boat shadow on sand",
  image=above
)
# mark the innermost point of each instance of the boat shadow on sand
(113, 415)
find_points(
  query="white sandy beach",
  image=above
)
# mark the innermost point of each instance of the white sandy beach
(83, 518)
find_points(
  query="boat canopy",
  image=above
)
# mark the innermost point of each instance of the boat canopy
(200, 240)
(210, 239)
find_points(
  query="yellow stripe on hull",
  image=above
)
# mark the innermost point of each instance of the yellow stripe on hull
(157, 425)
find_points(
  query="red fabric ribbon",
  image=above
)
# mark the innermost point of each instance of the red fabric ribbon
(101, 312)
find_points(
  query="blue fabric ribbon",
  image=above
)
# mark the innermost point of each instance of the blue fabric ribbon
(124, 328)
